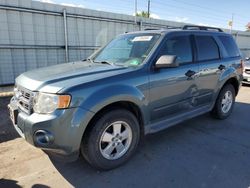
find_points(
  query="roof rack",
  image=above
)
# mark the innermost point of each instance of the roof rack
(188, 27)
(197, 27)
(166, 27)
(149, 29)
(173, 27)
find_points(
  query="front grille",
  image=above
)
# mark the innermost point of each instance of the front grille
(247, 71)
(25, 99)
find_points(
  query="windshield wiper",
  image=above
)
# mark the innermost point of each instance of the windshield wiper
(89, 60)
(102, 62)
(105, 62)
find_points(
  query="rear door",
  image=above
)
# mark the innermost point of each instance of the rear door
(171, 90)
(209, 61)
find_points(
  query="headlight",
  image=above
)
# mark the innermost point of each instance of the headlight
(45, 103)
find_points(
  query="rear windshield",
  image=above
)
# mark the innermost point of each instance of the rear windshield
(230, 46)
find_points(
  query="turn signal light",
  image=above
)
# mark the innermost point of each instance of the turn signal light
(64, 101)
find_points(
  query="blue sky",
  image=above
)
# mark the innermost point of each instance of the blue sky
(213, 12)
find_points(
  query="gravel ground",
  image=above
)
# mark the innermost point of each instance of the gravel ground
(202, 152)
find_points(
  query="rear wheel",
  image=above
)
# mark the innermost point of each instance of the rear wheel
(224, 103)
(112, 139)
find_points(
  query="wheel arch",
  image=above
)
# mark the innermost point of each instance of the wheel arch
(127, 105)
(234, 82)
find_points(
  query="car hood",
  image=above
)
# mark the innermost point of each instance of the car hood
(55, 78)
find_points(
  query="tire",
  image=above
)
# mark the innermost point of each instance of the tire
(101, 146)
(219, 111)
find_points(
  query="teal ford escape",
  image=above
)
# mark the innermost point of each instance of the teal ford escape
(139, 83)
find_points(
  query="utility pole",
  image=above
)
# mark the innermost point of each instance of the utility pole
(66, 35)
(232, 22)
(135, 11)
(148, 8)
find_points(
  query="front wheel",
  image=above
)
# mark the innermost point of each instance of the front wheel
(224, 103)
(112, 139)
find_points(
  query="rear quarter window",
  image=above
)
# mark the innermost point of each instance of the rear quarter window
(230, 46)
(207, 48)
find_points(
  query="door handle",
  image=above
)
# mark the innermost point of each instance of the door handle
(190, 73)
(222, 67)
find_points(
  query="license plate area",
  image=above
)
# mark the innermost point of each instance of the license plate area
(13, 111)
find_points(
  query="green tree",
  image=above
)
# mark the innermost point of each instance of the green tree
(143, 14)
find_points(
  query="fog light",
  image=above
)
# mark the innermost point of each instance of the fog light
(43, 137)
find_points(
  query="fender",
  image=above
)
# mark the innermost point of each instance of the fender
(229, 73)
(115, 93)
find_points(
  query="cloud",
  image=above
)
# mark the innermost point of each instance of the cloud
(47, 1)
(181, 19)
(63, 4)
(72, 5)
(155, 16)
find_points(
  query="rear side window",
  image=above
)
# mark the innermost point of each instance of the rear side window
(207, 48)
(230, 46)
(179, 46)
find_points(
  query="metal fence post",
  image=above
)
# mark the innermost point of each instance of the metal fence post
(140, 25)
(65, 35)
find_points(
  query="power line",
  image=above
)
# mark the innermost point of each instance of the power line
(127, 4)
(205, 17)
(193, 11)
(206, 8)
(217, 18)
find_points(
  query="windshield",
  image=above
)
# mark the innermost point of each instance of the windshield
(127, 50)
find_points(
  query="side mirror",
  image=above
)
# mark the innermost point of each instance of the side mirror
(167, 61)
(247, 58)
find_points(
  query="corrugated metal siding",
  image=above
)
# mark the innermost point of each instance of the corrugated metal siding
(29, 40)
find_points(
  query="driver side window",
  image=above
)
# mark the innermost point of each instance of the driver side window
(179, 46)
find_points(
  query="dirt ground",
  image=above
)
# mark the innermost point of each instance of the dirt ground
(7, 132)
(202, 152)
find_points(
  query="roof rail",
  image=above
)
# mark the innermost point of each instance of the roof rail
(197, 27)
(188, 27)
(173, 27)
(166, 27)
(148, 29)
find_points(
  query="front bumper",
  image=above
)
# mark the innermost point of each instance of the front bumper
(59, 134)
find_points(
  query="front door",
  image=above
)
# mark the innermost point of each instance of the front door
(172, 90)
